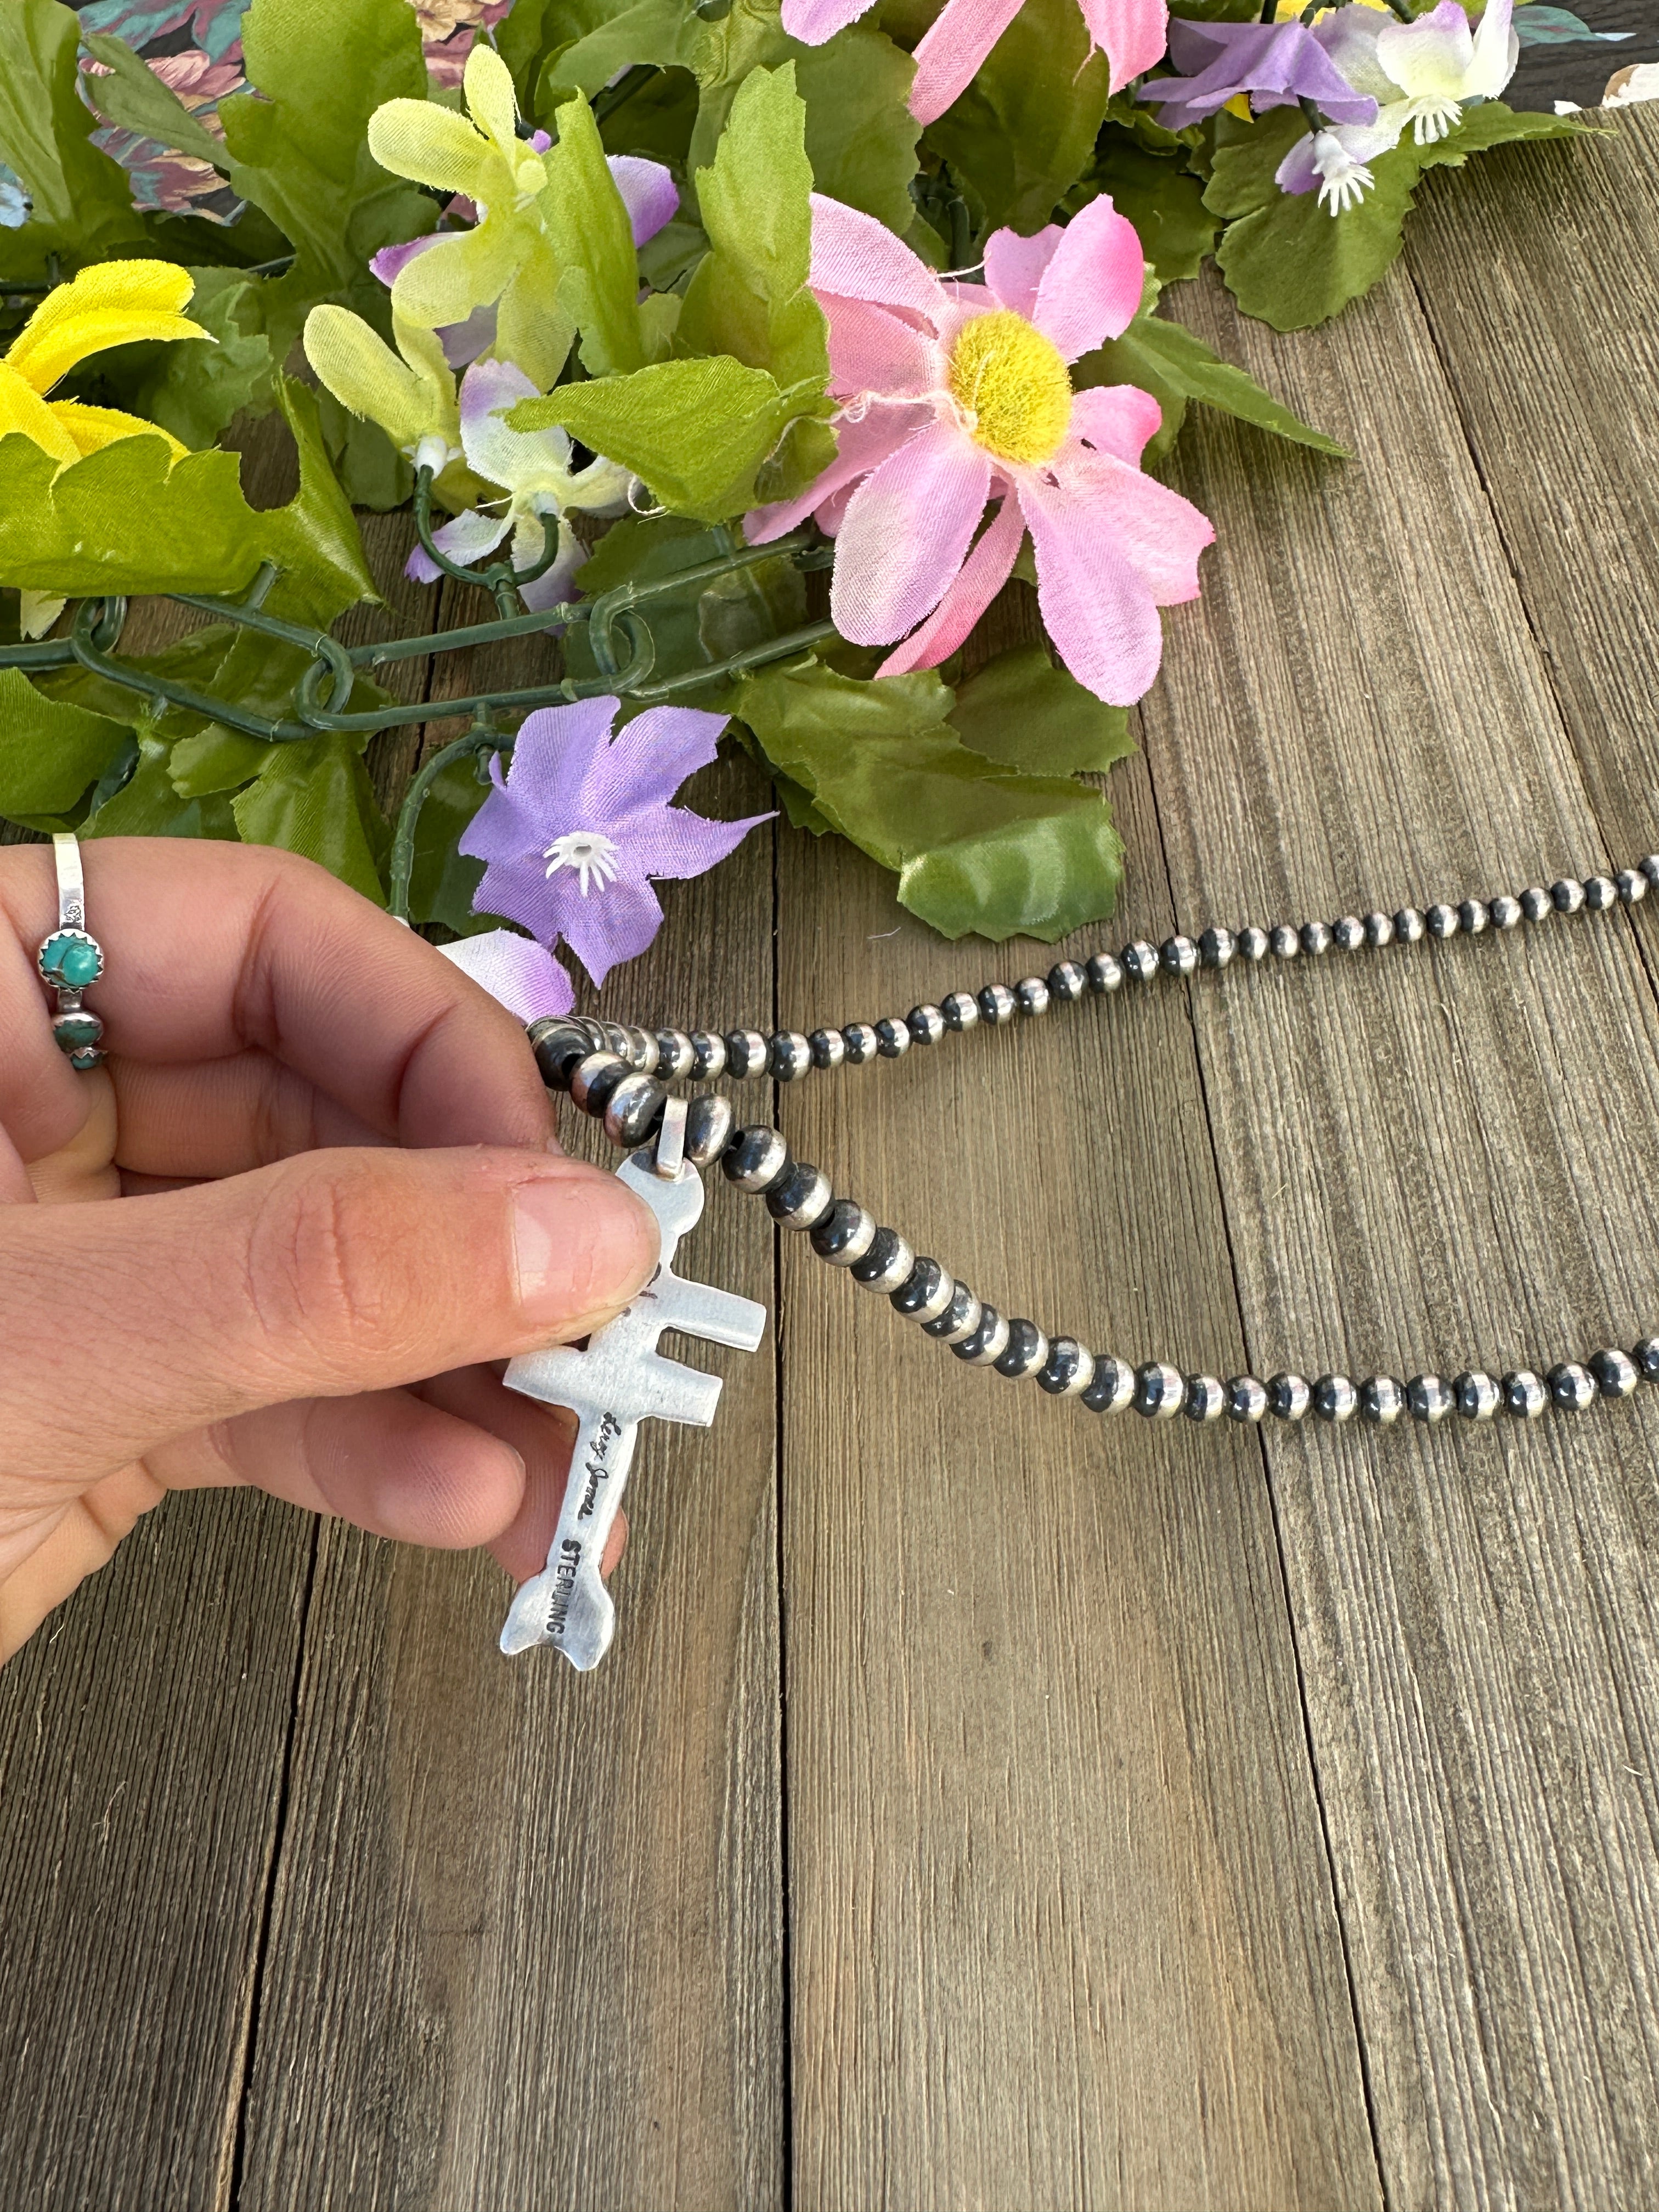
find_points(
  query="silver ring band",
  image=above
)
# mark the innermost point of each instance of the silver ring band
(70, 960)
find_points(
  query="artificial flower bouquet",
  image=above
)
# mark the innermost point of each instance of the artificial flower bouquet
(654, 317)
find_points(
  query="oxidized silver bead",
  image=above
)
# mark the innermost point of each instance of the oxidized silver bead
(1284, 941)
(708, 1056)
(1246, 1399)
(1140, 960)
(1409, 926)
(845, 1234)
(1316, 938)
(1253, 944)
(1505, 911)
(675, 1057)
(560, 1048)
(1600, 893)
(1032, 994)
(892, 1037)
(1442, 920)
(709, 1123)
(1336, 1399)
(1473, 917)
(1572, 1387)
(758, 1161)
(1103, 973)
(1615, 1374)
(802, 1199)
(961, 1011)
(745, 1052)
(1381, 1400)
(789, 1056)
(1428, 1399)
(1288, 1397)
(1178, 956)
(1066, 981)
(1025, 1351)
(1379, 929)
(926, 1024)
(1646, 1356)
(998, 1005)
(1206, 1398)
(639, 1048)
(1158, 1391)
(1112, 1385)
(1217, 946)
(1068, 1371)
(958, 1320)
(988, 1343)
(885, 1266)
(861, 1042)
(1632, 886)
(1476, 1394)
(1349, 934)
(1536, 903)
(634, 1109)
(1649, 868)
(595, 1079)
(924, 1294)
(828, 1048)
(1566, 895)
(1524, 1394)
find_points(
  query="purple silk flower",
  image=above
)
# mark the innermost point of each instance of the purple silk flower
(1279, 65)
(581, 821)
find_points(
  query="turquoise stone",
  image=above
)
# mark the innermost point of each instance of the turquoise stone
(76, 1032)
(85, 1059)
(72, 963)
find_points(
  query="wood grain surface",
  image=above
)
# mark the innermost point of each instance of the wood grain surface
(985, 1805)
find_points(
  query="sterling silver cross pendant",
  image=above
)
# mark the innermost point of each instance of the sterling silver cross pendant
(620, 1380)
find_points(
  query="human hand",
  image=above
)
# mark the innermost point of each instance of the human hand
(328, 1197)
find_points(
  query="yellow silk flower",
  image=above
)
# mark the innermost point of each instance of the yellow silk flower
(112, 304)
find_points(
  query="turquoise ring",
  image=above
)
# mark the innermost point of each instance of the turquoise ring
(71, 960)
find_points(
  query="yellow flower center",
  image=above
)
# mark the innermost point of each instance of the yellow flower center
(1012, 385)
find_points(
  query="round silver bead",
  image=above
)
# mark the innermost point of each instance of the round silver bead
(1409, 926)
(1066, 981)
(1032, 994)
(1536, 903)
(1633, 885)
(1505, 911)
(745, 1052)
(1246, 1399)
(589, 1072)
(1379, 929)
(1649, 868)
(1615, 1372)
(1381, 1400)
(1217, 946)
(892, 1037)
(1336, 1399)
(1349, 934)
(1111, 1387)
(1572, 1387)
(1068, 1371)
(1442, 920)
(1285, 940)
(1477, 1395)
(708, 1122)
(1428, 1399)
(961, 1011)
(1026, 1353)
(789, 1056)
(860, 1044)
(957, 1321)
(1524, 1394)
(802, 1199)
(1178, 955)
(1253, 944)
(1206, 1398)
(1566, 895)
(926, 1024)
(1140, 961)
(634, 1109)
(757, 1161)
(1473, 917)
(1646, 1356)
(708, 1056)
(925, 1294)
(1316, 938)
(1159, 1391)
(675, 1058)
(828, 1048)
(1103, 973)
(988, 1343)
(845, 1234)
(1600, 893)
(998, 1005)
(1288, 1397)
(886, 1265)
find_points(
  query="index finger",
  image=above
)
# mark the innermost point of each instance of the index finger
(211, 948)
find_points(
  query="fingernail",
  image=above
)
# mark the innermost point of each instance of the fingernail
(582, 1245)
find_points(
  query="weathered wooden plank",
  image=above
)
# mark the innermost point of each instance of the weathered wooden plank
(526, 1941)
(1061, 1926)
(1429, 1158)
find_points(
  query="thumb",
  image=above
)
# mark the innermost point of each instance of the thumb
(328, 1275)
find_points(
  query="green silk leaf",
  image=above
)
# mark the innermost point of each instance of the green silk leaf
(1023, 711)
(314, 798)
(197, 391)
(1163, 200)
(82, 200)
(443, 882)
(51, 751)
(147, 805)
(1024, 130)
(216, 759)
(860, 135)
(133, 97)
(593, 242)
